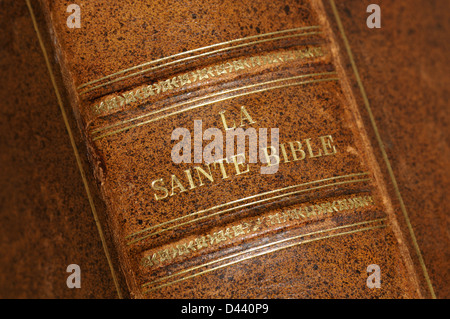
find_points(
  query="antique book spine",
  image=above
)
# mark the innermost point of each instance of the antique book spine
(306, 219)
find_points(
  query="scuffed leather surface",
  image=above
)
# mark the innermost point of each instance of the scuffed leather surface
(322, 269)
(404, 67)
(122, 161)
(45, 218)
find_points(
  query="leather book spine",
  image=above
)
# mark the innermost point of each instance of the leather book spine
(159, 89)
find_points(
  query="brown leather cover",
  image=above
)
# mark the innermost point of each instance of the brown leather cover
(308, 231)
(46, 222)
(404, 67)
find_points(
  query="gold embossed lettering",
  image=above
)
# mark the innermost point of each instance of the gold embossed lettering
(157, 187)
(328, 148)
(176, 184)
(310, 150)
(237, 164)
(295, 150)
(208, 174)
(224, 121)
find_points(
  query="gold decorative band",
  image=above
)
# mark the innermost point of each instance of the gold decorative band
(181, 54)
(374, 224)
(205, 97)
(141, 94)
(290, 218)
(244, 205)
(212, 102)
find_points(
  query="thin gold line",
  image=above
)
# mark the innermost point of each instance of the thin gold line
(209, 96)
(208, 103)
(247, 204)
(264, 253)
(258, 248)
(243, 199)
(195, 50)
(381, 145)
(75, 150)
(194, 57)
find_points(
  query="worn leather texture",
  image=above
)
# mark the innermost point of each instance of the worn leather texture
(46, 222)
(404, 68)
(262, 248)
